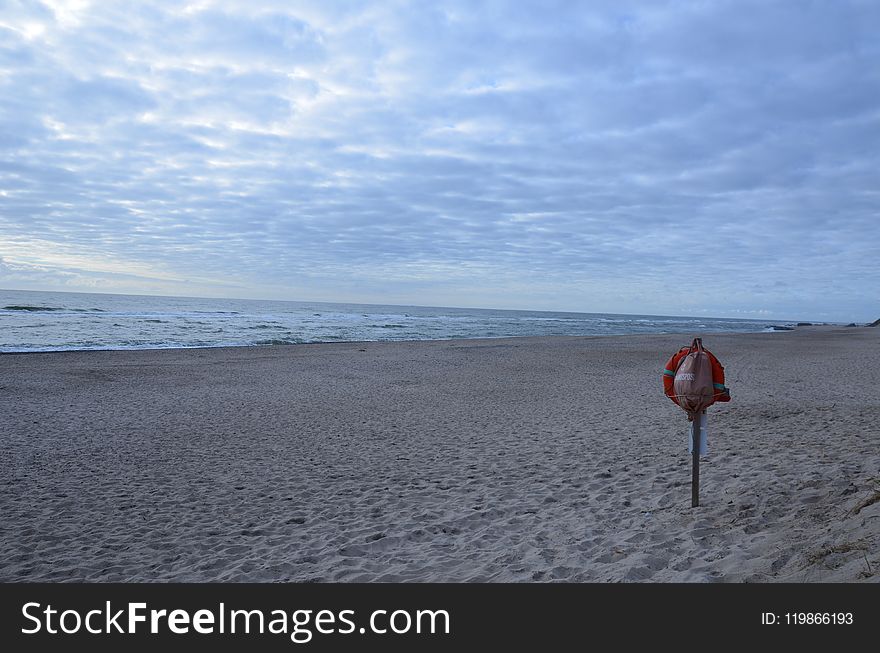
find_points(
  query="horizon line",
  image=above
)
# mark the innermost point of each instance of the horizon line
(477, 308)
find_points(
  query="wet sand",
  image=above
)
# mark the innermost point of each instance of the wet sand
(531, 459)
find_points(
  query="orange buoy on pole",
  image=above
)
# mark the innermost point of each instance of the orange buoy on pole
(694, 380)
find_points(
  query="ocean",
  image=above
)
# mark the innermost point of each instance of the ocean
(32, 321)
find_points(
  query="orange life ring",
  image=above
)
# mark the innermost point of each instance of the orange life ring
(722, 393)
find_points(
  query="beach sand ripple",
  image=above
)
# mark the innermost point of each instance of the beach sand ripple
(533, 459)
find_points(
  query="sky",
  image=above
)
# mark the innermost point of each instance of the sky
(676, 158)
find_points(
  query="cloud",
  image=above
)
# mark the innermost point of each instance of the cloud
(565, 155)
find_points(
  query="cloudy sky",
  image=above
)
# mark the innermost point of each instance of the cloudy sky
(685, 158)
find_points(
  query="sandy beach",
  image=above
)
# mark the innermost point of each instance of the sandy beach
(531, 459)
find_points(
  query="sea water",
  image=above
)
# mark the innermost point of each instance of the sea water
(56, 321)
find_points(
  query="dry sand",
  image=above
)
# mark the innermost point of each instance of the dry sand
(530, 459)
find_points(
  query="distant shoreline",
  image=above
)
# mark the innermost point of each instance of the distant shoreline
(707, 334)
(39, 322)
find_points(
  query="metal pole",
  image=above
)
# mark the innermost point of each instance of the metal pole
(695, 478)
